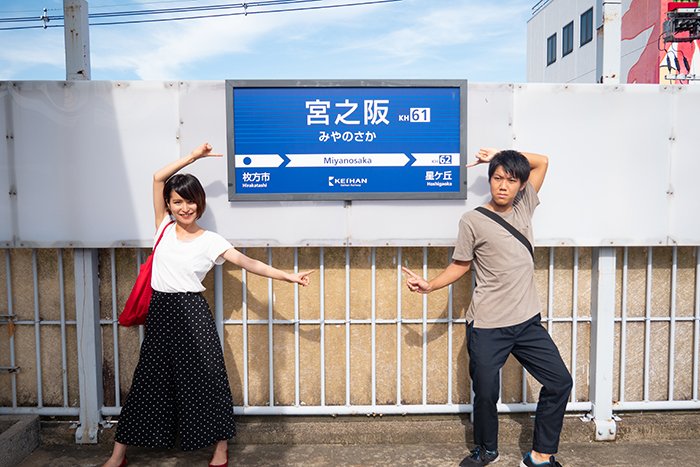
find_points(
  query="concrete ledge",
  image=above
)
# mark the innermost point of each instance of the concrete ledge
(19, 436)
(667, 426)
(419, 429)
(394, 429)
(452, 429)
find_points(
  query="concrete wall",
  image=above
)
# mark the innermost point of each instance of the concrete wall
(577, 67)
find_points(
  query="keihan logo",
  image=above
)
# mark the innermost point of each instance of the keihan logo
(347, 181)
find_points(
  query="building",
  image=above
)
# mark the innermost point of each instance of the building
(564, 42)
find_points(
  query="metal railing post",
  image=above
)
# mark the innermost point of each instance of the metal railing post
(602, 341)
(87, 312)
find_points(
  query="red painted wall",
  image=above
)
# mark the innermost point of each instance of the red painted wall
(651, 66)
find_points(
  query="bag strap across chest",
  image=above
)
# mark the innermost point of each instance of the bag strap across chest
(161, 235)
(506, 225)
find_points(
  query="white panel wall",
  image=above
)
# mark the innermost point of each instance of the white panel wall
(684, 187)
(609, 172)
(5, 174)
(84, 155)
(85, 152)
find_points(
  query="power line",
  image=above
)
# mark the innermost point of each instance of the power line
(166, 10)
(161, 2)
(181, 10)
(198, 8)
(245, 13)
(104, 6)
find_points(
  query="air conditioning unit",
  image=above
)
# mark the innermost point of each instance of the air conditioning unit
(682, 24)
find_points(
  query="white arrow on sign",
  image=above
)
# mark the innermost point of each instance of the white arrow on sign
(433, 159)
(347, 160)
(257, 161)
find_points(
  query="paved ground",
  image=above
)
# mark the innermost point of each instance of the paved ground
(681, 453)
(653, 439)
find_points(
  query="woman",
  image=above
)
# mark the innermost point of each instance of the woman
(180, 388)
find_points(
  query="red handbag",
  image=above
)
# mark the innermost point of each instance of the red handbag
(136, 306)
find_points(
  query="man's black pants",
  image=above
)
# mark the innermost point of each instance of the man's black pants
(533, 347)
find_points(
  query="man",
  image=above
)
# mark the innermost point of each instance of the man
(504, 314)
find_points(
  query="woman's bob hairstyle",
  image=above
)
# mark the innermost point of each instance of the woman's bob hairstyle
(187, 186)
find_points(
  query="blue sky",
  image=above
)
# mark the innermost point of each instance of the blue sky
(482, 41)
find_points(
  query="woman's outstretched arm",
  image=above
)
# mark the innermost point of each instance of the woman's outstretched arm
(265, 270)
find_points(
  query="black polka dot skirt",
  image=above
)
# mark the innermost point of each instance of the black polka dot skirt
(180, 389)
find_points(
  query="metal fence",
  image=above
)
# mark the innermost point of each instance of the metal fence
(627, 322)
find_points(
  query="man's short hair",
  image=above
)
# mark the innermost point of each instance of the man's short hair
(513, 162)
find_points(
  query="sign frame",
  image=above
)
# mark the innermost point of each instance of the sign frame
(233, 195)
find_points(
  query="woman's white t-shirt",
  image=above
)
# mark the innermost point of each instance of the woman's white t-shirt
(180, 266)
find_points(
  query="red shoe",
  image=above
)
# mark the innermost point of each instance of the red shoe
(124, 462)
(225, 464)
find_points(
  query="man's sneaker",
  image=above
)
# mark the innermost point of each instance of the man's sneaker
(479, 456)
(528, 462)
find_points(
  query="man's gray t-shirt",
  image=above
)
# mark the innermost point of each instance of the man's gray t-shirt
(505, 292)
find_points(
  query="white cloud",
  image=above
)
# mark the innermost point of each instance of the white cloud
(159, 52)
(32, 48)
(162, 50)
(444, 24)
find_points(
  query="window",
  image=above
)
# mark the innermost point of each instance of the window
(587, 27)
(567, 39)
(552, 49)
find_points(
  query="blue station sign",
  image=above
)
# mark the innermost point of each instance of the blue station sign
(346, 141)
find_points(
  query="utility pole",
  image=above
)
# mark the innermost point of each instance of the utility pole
(86, 264)
(77, 38)
(609, 41)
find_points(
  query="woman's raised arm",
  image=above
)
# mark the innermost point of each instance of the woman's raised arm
(162, 175)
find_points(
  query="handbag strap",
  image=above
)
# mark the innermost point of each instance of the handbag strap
(161, 234)
(506, 225)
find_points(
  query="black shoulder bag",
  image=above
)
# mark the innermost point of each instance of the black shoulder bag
(515, 232)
